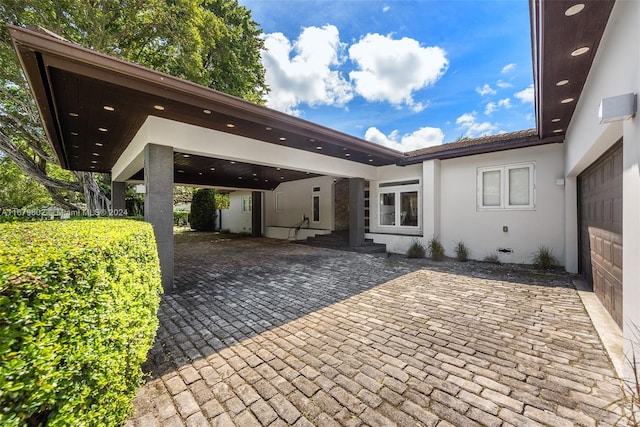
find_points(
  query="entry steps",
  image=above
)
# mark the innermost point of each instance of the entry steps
(340, 240)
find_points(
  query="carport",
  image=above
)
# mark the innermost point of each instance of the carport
(103, 114)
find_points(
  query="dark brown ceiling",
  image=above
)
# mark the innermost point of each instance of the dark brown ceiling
(555, 36)
(73, 85)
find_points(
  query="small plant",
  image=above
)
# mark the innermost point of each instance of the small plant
(543, 259)
(492, 258)
(436, 250)
(416, 250)
(462, 252)
(629, 403)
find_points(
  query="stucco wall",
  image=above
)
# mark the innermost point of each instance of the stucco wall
(616, 71)
(297, 201)
(482, 230)
(233, 219)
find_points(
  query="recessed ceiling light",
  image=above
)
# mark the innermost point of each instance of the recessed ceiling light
(371, 160)
(199, 173)
(180, 171)
(344, 148)
(575, 9)
(268, 128)
(256, 179)
(92, 167)
(318, 148)
(312, 140)
(74, 133)
(232, 162)
(206, 111)
(239, 177)
(266, 180)
(212, 169)
(73, 114)
(277, 169)
(282, 177)
(555, 120)
(99, 144)
(75, 146)
(159, 107)
(102, 129)
(282, 138)
(580, 51)
(254, 174)
(94, 161)
(347, 154)
(562, 82)
(108, 108)
(186, 155)
(558, 130)
(566, 100)
(230, 125)
(308, 173)
(95, 154)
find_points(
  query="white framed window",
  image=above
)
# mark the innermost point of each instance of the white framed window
(399, 204)
(507, 187)
(246, 204)
(280, 202)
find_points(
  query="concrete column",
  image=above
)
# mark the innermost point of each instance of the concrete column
(571, 250)
(118, 205)
(431, 199)
(356, 212)
(158, 204)
(256, 214)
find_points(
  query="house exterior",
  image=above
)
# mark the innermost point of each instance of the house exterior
(572, 184)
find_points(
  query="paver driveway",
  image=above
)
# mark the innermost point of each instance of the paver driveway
(270, 333)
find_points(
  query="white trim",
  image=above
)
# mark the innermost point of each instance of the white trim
(388, 187)
(279, 201)
(243, 207)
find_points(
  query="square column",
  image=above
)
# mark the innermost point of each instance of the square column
(118, 205)
(356, 212)
(256, 214)
(158, 205)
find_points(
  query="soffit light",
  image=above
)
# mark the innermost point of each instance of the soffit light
(268, 128)
(108, 108)
(102, 129)
(562, 82)
(230, 125)
(72, 114)
(206, 111)
(99, 144)
(555, 120)
(580, 51)
(282, 138)
(232, 162)
(575, 9)
(212, 169)
(558, 130)
(318, 148)
(159, 107)
(180, 171)
(74, 133)
(95, 154)
(186, 155)
(566, 100)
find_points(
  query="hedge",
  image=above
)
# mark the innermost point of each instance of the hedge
(78, 313)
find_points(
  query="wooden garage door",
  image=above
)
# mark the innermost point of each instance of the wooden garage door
(600, 240)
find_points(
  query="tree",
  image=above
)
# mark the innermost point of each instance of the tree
(211, 42)
(18, 191)
(203, 210)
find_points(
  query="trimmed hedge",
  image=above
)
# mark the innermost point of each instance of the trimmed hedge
(78, 313)
(203, 210)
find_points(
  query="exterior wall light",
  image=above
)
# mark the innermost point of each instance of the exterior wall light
(616, 108)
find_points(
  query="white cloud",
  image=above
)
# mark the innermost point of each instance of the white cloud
(486, 90)
(386, 8)
(508, 68)
(493, 106)
(422, 138)
(503, 85)
(525, 95)
(309, 76)
(391, 70)
(469, 124)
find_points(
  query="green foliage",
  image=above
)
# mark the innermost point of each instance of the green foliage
(543, 259)
(180, 218)
(493, 258)
(462, 252)
(416, 250)
(436, 250)
(78, 306)
(17, 191)
(203, 210)
(222, 201)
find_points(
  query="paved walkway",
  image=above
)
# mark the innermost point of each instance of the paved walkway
(264, 333)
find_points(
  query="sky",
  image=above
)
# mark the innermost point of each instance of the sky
(404, 74)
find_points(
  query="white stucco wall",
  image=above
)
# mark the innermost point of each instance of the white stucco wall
(296, 199)
(482, 230)
(233, 219)
(615, 71)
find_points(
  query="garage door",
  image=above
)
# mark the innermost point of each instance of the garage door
(600, 217)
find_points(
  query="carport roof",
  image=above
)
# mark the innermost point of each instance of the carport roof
(93, 104)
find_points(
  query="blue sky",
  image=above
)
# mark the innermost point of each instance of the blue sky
(405, 74)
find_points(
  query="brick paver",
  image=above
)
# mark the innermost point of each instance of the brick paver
(268, 333)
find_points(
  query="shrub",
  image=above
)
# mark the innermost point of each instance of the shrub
(493, 258)
(436, 250)
(462, 253)
(180, 218)
(543, 259)
(203, 210)
(78, 306)
(416, 250)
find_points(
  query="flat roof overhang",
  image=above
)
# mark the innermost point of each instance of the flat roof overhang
(92, 105)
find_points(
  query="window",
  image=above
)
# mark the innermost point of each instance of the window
(246, 204)
(506, 187)
(315, 205)
(399, 204)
